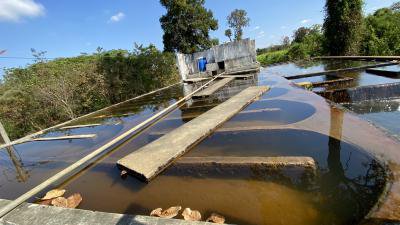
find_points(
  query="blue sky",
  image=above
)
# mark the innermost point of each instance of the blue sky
(69, 27)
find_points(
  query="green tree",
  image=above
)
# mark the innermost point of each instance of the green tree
(285, 41)
(342, 26)
(300, 34)
(382, 33)
(186, 26)
(228, 33)
(237, 20)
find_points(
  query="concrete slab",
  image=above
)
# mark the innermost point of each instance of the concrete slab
(342, 81)
(213, 88)
(34, 214)
(292, 171)
(370, 92)
(340, 70)
(153, 158)
(222, 164)
(384, 73)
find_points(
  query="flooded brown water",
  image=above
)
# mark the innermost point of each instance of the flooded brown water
(346, 185)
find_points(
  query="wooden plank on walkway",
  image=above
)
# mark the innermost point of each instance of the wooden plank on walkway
(80, 126)
(70, 137)
(213, 88)
(153, 158)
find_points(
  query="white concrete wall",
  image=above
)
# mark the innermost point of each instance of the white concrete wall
(235, 54)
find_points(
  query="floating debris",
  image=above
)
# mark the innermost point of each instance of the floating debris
(44, 202)
(156, 212)
(71, 202)
(74, 200)
(168, 213)
(191, 215)
(60, 202)
(55, 193)
(124, 174)
(216, 218)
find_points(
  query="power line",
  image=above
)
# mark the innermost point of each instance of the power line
(16, 57)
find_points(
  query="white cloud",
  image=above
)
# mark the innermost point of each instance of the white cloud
(283, 27)
(256, 28)
(261, 32)
(305, 21)
(117, 17)
(15, 10)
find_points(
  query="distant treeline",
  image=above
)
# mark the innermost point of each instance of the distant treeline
(378, 34)
(49, 92)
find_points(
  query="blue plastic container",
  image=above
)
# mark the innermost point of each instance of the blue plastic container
(202, 62)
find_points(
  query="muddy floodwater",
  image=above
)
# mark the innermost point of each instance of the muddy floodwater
(285, 121)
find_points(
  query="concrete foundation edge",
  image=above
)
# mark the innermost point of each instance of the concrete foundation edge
(32, 214)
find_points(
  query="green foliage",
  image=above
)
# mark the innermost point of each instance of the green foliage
(297, 51)
(47, 93)
(342, 26)
(237, 20)
(273, 57)
(228, 33)
(382, 33)
(309, 45)
(128, 74)
(300, 34)
(186, 26)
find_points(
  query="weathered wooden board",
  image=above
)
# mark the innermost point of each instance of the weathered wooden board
(153, 158)
(70, 137)
(213, 88)
(80, 126)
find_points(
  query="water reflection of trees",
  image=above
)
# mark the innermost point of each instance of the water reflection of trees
(348, 197)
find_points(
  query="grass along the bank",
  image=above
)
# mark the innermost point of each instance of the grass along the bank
(273, 57)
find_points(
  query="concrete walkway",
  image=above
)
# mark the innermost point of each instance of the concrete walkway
(153, 158)
(34, 214)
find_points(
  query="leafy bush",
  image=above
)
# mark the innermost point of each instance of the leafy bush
(273, 57)
(382, 33)
(47, 93)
